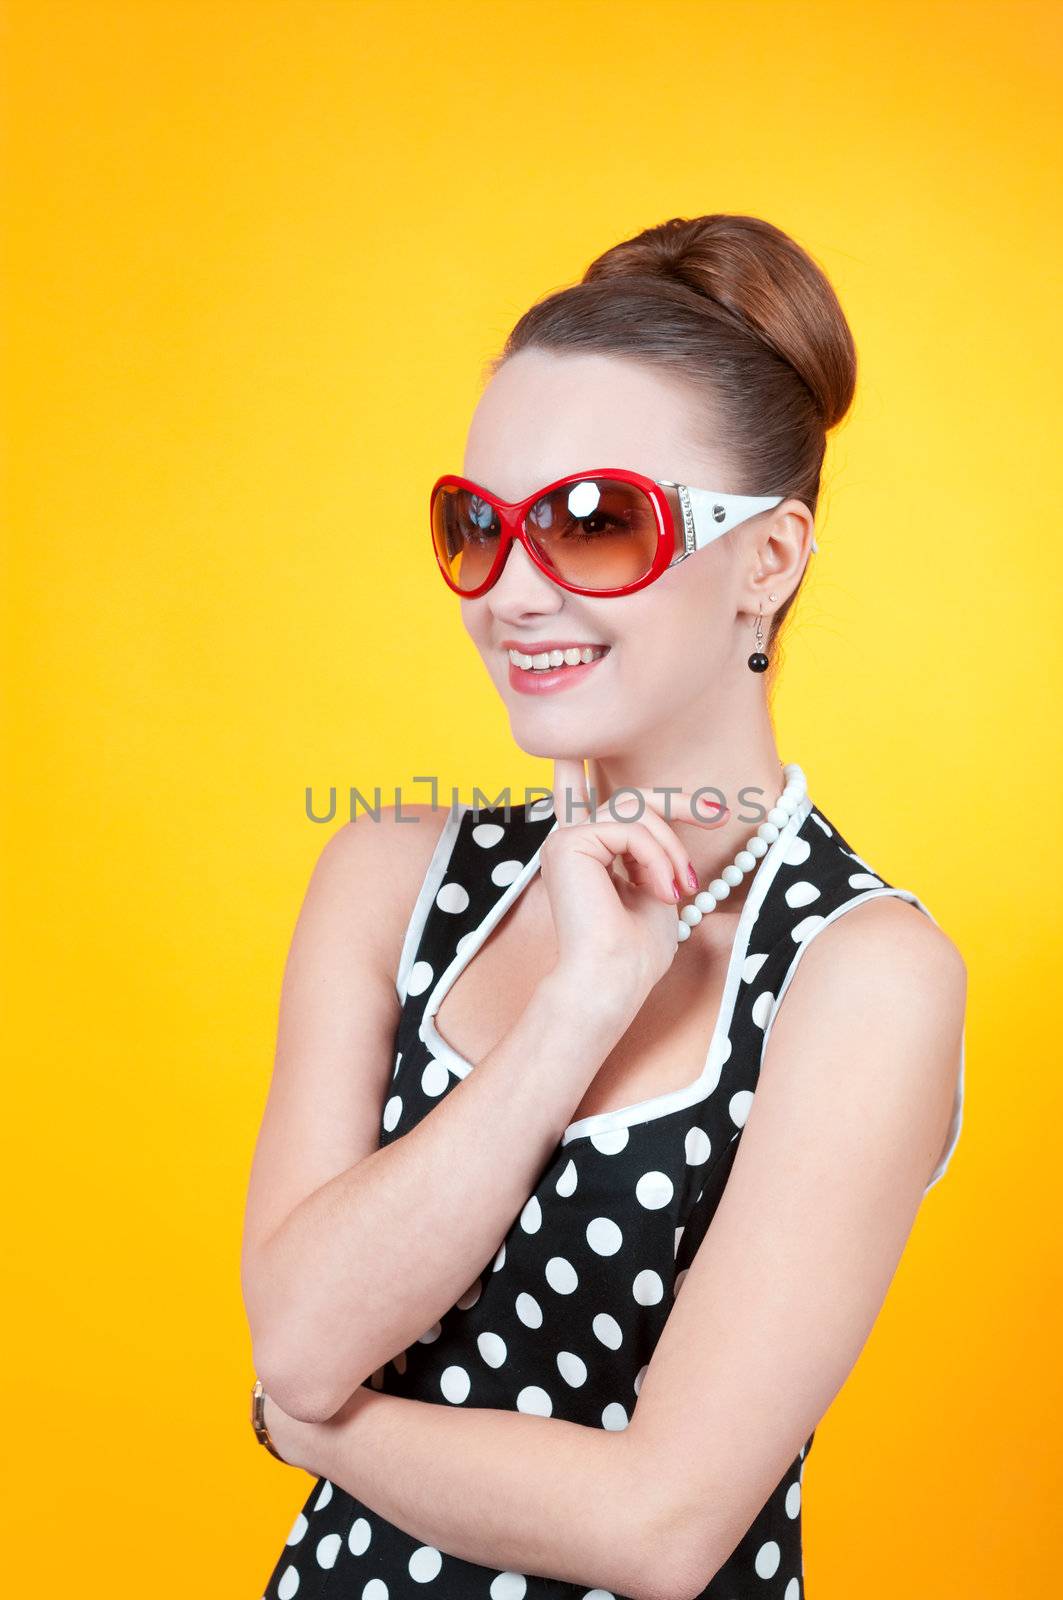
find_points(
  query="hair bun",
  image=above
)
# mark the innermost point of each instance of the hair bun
(759, 280)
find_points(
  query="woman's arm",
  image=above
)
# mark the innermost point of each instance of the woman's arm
(341, 1261)
(505, 1489)
(849, 1116)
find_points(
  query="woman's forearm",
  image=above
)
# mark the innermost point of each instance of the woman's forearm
(504, 1489)
(373, 1258)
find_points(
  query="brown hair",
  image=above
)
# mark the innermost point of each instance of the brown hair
(733, 308)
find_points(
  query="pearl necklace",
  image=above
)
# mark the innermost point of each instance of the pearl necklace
(746, 859)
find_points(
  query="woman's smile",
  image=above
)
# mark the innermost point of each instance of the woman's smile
(546, 665)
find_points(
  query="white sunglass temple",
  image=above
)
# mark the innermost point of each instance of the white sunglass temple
(707, 514)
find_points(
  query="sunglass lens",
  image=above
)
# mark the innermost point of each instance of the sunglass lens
(599, 533)
(465, 531)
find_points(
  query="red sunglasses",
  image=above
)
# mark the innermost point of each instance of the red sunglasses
(603, 532)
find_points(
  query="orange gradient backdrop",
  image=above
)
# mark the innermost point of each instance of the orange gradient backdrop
(258, 252)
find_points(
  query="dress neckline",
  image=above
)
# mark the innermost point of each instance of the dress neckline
(655, 1106)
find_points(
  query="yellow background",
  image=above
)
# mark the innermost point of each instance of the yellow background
(258, 254)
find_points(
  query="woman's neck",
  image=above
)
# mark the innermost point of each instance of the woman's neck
(748, 781)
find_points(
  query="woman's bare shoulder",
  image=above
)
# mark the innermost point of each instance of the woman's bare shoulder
(886, 940)
(888, 922)
(375, 865)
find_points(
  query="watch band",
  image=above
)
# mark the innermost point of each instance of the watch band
(258, 1419)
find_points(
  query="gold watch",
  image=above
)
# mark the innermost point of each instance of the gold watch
(258, 1420)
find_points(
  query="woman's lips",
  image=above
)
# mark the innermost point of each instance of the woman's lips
(547, 679)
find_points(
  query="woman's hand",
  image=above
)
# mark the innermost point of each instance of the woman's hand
(617, 934)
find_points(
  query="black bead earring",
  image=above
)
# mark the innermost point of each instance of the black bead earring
(758, 661)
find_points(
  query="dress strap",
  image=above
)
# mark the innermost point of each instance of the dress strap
(429, 889)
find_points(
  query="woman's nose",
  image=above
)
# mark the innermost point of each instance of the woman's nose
(522, 586)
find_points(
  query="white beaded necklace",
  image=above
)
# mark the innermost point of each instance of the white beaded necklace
(746, 859)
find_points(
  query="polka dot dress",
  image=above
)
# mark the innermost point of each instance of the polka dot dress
(564, 1318)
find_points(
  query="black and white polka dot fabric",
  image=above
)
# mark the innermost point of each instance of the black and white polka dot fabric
(563, 1320)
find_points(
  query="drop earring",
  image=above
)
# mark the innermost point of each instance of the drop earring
(758, 661)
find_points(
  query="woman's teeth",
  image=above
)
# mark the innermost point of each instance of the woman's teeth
(557, 658)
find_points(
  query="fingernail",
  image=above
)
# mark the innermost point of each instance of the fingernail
(692, 877)
(676, 890)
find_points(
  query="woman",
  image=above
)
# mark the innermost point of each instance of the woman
(464, 1284)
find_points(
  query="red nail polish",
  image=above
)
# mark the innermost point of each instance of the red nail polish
(692, 877)
(676, 890)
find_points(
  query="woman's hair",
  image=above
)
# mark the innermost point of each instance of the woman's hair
(736, 311)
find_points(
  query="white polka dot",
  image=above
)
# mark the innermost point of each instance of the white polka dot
(529, 1311)
(675, 1242)
(398, 1059)
(328, 1549)
(762, 1008)
(540, 809)
(289, 1583)
(611, 1141)
(359, 1536)
(420, 977)
(766, 1560)
(424, 1564)
(654, 1190)
(614, 1417)
(603, 1236)
(751, 966)
(607, 1329)
(531, 1218)
(508, 1586)
(500, 1259)
(487, 834)
(571, 1368)
(299, 1527)
(566, 1184)
(466, 939)
(792, 1590)
(430, 1335)
(801, 893)
(739, 1105)
(506, 873)
(392, 1112)
(324, 1497)
(434, 1078)
(806, 928)
(698, 1147)
(640, 1374)
(561, 1275)
(648, 1288)
(455, 1384)
(598, 1594)
(492, 1347)
(797, 852)
(535, 1401)
(677, 1281)
(793, 1500)
(864, 880)
(375, 1589)
(453, 898)
(470, 1297)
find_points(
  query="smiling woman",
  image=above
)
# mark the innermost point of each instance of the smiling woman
(597, 1128)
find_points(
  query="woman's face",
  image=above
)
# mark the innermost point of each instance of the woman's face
(675, 651)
